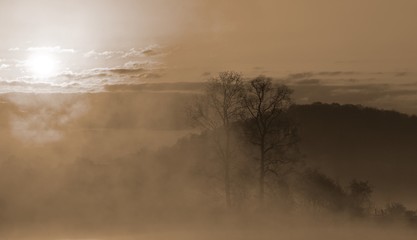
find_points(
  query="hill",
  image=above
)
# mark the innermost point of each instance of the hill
(352, 141)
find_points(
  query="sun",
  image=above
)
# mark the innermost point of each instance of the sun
(42, 65)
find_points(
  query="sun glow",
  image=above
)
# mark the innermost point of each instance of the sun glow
(42, 65)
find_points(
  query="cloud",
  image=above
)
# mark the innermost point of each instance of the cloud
(4, 66)
(56, 49)
(15, 49)
(380, 95)
(79, 72)
(149, 51)
(125, 71)
(87, 80)
(151, 75)
(119, 74)
(105, 54)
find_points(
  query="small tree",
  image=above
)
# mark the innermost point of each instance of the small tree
(216, 110)
(267, 125)
(320, 191)
(360, 196)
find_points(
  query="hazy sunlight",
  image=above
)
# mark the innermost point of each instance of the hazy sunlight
(42, 65)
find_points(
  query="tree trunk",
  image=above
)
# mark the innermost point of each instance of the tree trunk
(227, 183)
(227, 170)
(262, 175)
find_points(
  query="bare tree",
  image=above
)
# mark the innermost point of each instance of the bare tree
(267, 125)
(216, 110)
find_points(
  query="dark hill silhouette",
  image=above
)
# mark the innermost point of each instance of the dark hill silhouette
(352, 141)
(349, 142)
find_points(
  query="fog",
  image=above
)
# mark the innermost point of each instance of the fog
(133, 165)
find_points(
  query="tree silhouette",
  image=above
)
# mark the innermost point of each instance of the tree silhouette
(267, 125)
(216, 110)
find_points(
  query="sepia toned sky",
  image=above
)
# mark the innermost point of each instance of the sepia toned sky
(368, 44)
(107, 53)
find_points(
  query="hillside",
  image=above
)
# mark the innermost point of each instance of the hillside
(347, 141)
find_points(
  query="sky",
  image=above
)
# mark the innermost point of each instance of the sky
(85, 46)
(73, 72)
